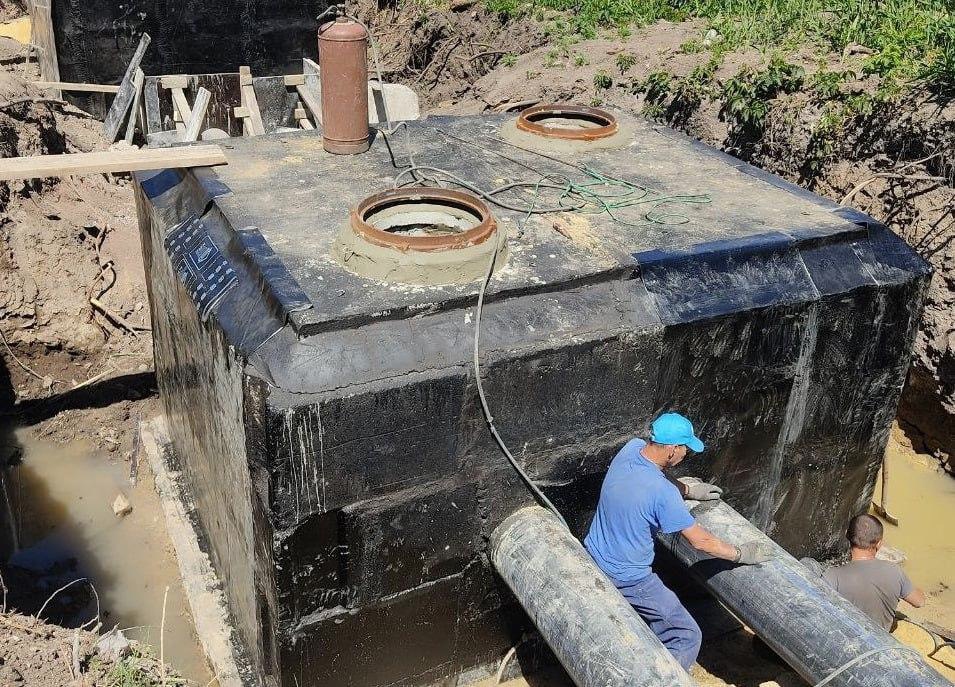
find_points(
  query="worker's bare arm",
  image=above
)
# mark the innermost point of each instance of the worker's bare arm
(703, 540)
(915, 598)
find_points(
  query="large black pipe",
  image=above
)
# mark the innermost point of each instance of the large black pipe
(814, 629)
(593, 631)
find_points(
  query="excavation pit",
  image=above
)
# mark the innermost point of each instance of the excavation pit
(326, 419)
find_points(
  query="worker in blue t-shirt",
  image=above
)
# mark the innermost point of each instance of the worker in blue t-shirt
(636, 501)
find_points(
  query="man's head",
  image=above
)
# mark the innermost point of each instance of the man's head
(865, 532)
(671, 435)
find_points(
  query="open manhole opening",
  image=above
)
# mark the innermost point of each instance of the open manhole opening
(423, 219)
(572, 122)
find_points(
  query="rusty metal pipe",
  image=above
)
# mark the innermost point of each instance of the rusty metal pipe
(343, 59)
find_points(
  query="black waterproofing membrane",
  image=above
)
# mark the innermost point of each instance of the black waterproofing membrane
(96, 38)
(328, 425)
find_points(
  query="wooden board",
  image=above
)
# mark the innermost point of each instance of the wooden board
(194, 125)
(226, 95)
(182, 112)
(124, 98)
(250, 101)
(135, 110)
(20, 30)
(44, 40)
(43, 166)
(83, 87)
(311, 103)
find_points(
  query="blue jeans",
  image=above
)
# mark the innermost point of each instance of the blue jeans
(662, 611)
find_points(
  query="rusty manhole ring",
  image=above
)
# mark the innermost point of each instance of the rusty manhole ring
(423, 219)
(570, 122)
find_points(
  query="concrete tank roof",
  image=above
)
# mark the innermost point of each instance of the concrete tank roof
(298, 196)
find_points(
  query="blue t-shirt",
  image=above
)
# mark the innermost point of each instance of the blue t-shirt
(636, 501)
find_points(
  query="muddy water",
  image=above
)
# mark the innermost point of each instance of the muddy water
(61, 501)
(922, 497)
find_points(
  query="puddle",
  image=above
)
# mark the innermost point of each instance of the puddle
(61, 499)
(922, 497)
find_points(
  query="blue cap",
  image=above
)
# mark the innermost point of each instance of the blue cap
(673, 428)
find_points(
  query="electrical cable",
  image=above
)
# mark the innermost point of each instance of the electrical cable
(485, 408)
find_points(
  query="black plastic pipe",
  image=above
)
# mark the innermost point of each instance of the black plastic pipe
(593, 631)
(822, 636)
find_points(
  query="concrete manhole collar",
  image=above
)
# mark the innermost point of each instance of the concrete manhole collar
(568, 122)
(420, 236)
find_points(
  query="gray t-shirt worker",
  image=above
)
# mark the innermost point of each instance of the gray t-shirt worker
(873, 586)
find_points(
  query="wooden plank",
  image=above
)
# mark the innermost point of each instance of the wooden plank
(138, 82)
(124, 98)
(241, 112)
(44, 39)
(20, 30)
(178, 81)
(79, 87)
(43, 166)
(182, 112)
(301, 116)
(198, 116)
(255, 127)
(311, 102)
(295, 80)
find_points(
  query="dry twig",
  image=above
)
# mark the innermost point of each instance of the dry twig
(895, 175)
(75, 667)
(65, 586)
(162, 639)
(117, 319)
(23, 365)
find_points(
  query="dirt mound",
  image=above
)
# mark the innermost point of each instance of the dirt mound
(11, 9)
(440, 52)
(35, 653)
(73, 306)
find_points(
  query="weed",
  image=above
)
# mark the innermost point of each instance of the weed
(827, 84)
(602, 81)
(509, 60)
(692, 46)
(656, 87)
(912, 39)
(625, 61)
(580, 60)
(746, 96)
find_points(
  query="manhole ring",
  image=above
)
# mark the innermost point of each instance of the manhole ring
(459, 208)
(581, 123)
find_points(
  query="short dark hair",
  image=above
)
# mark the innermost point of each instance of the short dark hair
(864, 532)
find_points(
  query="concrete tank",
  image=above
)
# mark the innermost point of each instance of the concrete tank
(328, 426)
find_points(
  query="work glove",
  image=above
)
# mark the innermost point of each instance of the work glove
(698, 490)
(753, 553)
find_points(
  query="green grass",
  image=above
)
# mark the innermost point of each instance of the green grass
(912, 40)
